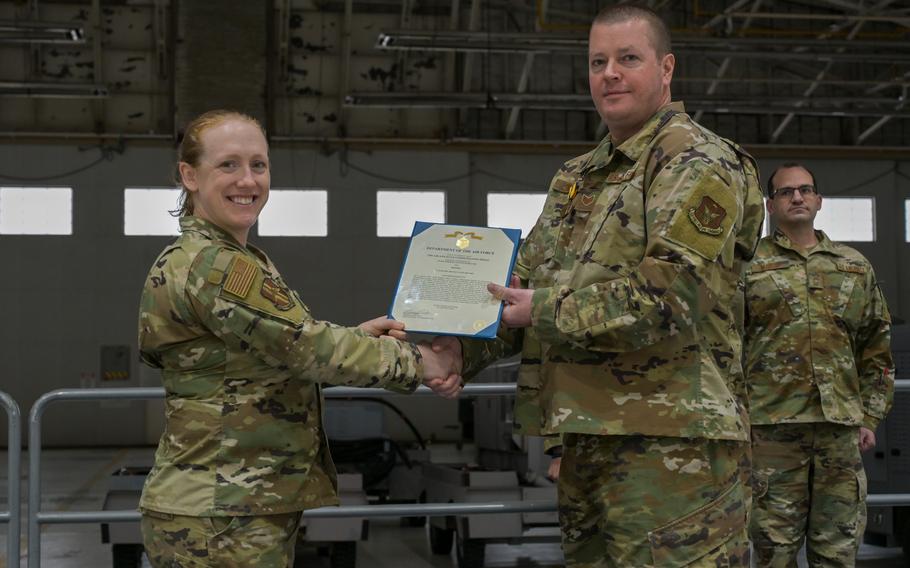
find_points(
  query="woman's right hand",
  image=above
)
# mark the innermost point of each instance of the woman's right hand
(442, 366)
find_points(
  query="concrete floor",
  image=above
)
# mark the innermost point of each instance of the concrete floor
(77, 480)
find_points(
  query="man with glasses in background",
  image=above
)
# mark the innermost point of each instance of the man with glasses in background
(820, 378)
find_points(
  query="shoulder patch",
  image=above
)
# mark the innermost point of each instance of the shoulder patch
(708, 216)
(705, 219)
(240, 278)
(277, 294)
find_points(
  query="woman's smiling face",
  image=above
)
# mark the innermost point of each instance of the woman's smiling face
(230, 185)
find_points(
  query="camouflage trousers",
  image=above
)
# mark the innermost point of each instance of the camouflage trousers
(653, 501)
(175, 541)
(809, 483)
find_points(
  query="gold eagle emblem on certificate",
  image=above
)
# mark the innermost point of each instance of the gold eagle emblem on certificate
(463, 240)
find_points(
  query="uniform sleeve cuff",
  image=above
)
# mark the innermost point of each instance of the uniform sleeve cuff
(406, 365)
(472, 357)
(871, 422)
(544, 304)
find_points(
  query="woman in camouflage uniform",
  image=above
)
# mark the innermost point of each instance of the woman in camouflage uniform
(242, 360)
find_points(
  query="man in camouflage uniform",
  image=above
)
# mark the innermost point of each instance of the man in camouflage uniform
(819, 376)
(628, 306)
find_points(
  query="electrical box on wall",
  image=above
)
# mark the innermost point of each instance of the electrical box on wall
(115, 363)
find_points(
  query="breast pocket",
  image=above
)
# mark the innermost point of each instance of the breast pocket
(546, 232)
(770, 294)
(617, 224)
(843, 295)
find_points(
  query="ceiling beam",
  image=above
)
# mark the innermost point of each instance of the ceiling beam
(525, 75)
(725, 64)
(821, 74)
(849, 18)
(881, 121)
(554, 101)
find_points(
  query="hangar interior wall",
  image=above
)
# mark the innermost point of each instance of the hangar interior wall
(63, 297)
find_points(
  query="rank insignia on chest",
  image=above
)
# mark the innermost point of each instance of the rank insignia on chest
(708, 216)
(278, 295)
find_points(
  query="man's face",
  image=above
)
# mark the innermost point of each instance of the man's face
(628, 82)
(795, 201)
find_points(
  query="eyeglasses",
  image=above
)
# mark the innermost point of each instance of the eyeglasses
(787, 192)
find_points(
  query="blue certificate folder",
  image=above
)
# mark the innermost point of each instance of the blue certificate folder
(441, 289)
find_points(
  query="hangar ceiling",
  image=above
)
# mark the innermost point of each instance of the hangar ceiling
(763, 72)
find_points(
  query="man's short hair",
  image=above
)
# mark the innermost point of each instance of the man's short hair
(619, 13)
(787, 166)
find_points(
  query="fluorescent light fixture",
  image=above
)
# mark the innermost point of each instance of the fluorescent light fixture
(499, 42)
(40, 32)
(407, 99)
(528, 42)
(53, 90)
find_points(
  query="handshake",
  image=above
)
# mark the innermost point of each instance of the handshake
(442, 361)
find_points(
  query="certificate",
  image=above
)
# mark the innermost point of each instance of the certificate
(443, 285)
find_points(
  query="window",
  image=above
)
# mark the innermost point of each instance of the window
(850, 219)
(514, 210)
(295, 213)
(148, 211)
(396, 211)
(36, 210)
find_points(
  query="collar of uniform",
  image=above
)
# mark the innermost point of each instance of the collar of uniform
(635, 146)
(781, 239)
(216, 233)
(207, 229)
(824, 243)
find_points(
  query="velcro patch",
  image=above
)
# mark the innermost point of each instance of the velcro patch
(277, 294)
(847, 266)
(704, 221)
(762, 266)
(708, 216)
(240, 278)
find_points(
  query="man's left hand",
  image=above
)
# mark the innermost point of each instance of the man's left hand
(866, 439)
(517, 310)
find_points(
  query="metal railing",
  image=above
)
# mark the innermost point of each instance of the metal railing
(36, 517)
(13, 455)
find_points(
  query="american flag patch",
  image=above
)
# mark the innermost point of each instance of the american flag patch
(240, 279)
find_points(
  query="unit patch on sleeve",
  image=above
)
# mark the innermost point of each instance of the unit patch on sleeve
(708, 216)
(278, 295)
(704, 218)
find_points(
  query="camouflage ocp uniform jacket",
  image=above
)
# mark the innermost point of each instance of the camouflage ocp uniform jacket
(818, 336)
(242, 360)
(637, 266)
